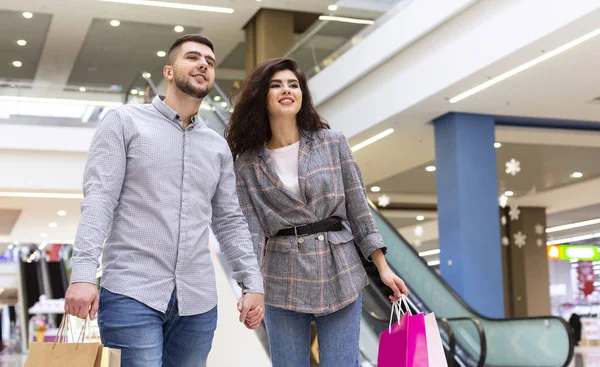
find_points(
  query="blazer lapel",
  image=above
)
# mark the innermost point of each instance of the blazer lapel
(303, 162)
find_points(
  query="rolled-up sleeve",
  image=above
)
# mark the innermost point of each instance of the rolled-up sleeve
(231, 229)
(361, 220)
(102, 184)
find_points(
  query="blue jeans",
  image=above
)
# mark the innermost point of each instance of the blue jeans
(149, 338)
(338, 334)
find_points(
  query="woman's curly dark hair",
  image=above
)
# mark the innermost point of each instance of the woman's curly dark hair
(249, 126)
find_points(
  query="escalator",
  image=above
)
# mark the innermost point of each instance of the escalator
(470, 339)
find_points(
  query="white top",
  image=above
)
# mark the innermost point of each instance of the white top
(286, 164)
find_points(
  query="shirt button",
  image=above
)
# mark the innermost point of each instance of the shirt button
(301, 240)
(321, 238)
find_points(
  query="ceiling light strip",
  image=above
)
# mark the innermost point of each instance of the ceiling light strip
(164, 4)
(40, 195)
(573, 239)
(77, 102)
(372, 140)
(346, 20)
(429, 253)
(525, 66)
(565, 227)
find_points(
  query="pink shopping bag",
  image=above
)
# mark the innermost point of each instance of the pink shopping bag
(435, 349)
(404, 344)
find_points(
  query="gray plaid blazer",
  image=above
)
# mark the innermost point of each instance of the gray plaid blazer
(320, 273)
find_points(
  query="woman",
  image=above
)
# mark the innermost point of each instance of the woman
(305, 201)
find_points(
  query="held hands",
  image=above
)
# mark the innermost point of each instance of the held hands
(394, 282)
(82, 300)
(252, 309)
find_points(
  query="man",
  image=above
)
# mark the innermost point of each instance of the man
(155, 179)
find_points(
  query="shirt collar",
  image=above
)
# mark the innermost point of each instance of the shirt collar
(159, 104)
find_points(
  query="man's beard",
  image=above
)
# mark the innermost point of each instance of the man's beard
(186, 86)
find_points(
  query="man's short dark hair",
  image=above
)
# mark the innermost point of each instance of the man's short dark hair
(198, 38)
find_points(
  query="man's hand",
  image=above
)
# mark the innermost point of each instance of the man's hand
(252, 309)
(82, 300)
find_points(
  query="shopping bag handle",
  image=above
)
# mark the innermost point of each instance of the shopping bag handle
(408, 302)
(61, 334)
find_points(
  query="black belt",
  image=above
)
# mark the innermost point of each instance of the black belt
(327, 225)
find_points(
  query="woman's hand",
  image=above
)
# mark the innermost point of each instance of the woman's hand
(388, 277)
(395, 283)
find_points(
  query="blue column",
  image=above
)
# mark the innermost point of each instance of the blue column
(468, 215)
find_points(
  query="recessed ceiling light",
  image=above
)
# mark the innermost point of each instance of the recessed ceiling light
(141, 93)
(576, 175)
(375, 189)
(372, 139)
(61, 213)
(115, 23)
(17, 64)
(161, 54)
(497, 145)
(508, 193)
(134, 91)
(346, 20)
(223, 104)
(525, 66)
(217, 98)
(52, 225)
(332, 7)
(420, 217)
(28, 15)
(430, 168)
(178, 29)
(21, 42)
(146, 75)
(82, 89)
(164, 4)
(43, 235)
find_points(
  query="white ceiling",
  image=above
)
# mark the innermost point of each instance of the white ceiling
(79, 46)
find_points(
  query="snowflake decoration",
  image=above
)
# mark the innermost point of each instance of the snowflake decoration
(520, 239)
(513, 167)
(539, 242)
(539, 229)
(505, 241)
(514, 212)
(503, 220)
(418, 231)
(503, 201)
(383, 201)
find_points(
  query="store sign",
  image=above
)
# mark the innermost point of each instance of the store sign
(570, 252)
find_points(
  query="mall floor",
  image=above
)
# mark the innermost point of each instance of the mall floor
(584, 357)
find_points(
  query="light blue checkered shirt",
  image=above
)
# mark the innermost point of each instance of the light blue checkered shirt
(151, 190)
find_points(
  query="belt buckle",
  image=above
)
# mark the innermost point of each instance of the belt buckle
(296, 231)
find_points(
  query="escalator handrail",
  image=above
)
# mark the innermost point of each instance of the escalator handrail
(461, 301)
(480, 331)
(451, 339)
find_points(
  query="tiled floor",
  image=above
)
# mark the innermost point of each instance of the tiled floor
(584, 357)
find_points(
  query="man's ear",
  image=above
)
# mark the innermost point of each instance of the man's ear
(168, 72)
